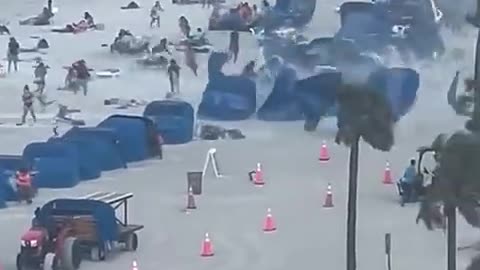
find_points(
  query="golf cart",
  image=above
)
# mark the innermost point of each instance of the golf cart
(424, 177)
(65, 230)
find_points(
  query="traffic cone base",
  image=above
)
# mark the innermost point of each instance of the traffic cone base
(258, 176)
(387, 175)
(324, 155)
(269, 224)
(134, 265)
(191, 200)
(329, 198)
(207, 249)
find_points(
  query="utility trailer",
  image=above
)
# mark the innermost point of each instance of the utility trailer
(65, 231)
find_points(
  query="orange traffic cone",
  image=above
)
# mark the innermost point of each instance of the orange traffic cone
(329, 198)
(191, 200)
(207, 248)
(134, 265)
(387, 175)
(269, 224)
(258, 176)
(324, 155)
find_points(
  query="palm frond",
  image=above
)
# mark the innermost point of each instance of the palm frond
(474, 264)
(366, 112)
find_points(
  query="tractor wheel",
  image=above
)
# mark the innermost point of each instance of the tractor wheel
(131, 243)
(97, 254)
(71, 254)
(50, 262)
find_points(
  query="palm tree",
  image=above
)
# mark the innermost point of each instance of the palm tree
(474, 123)
(455, 187)
(362, 114)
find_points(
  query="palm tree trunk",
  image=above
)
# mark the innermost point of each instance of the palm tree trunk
(451, 214)
(352, 205)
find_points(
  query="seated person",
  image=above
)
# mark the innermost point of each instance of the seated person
(89, 19)
(408, 182)
(162, 47)
(41, 19)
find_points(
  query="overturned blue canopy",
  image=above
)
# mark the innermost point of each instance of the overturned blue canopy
(289, 13)
(88, 158)
(399, 85)
(317, 95)
(363, 27)
(227, 97)
(282, 103)
(103, 213)
(107, 143)
(6, 189)
(372, 27)
(173, 120)
(12, 162)
(57, 164)
(135, 132)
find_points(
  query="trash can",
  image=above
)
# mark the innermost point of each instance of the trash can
(194, 180)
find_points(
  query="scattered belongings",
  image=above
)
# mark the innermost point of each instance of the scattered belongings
(124, 103)
(108, 73)
(158, 60)
(131, 5)
(198, 44)
(212, 132)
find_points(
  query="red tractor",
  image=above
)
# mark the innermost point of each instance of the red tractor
(65, 230)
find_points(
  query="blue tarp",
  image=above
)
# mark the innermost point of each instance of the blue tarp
(363, 27)
(55, 172)
(282, 103)
(57, 164)
(107, 143)
(12, 162)
(400, 86)
(227, 98)
(88, 156)
(173, 119)
(133, 131)
(103, 213)
(6, 187)
(370, 27)
(317, 95)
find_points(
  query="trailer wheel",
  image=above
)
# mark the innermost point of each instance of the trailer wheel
(50, 262)
(20, 262)
(131, 243)
(97, 254)
(71, 254)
